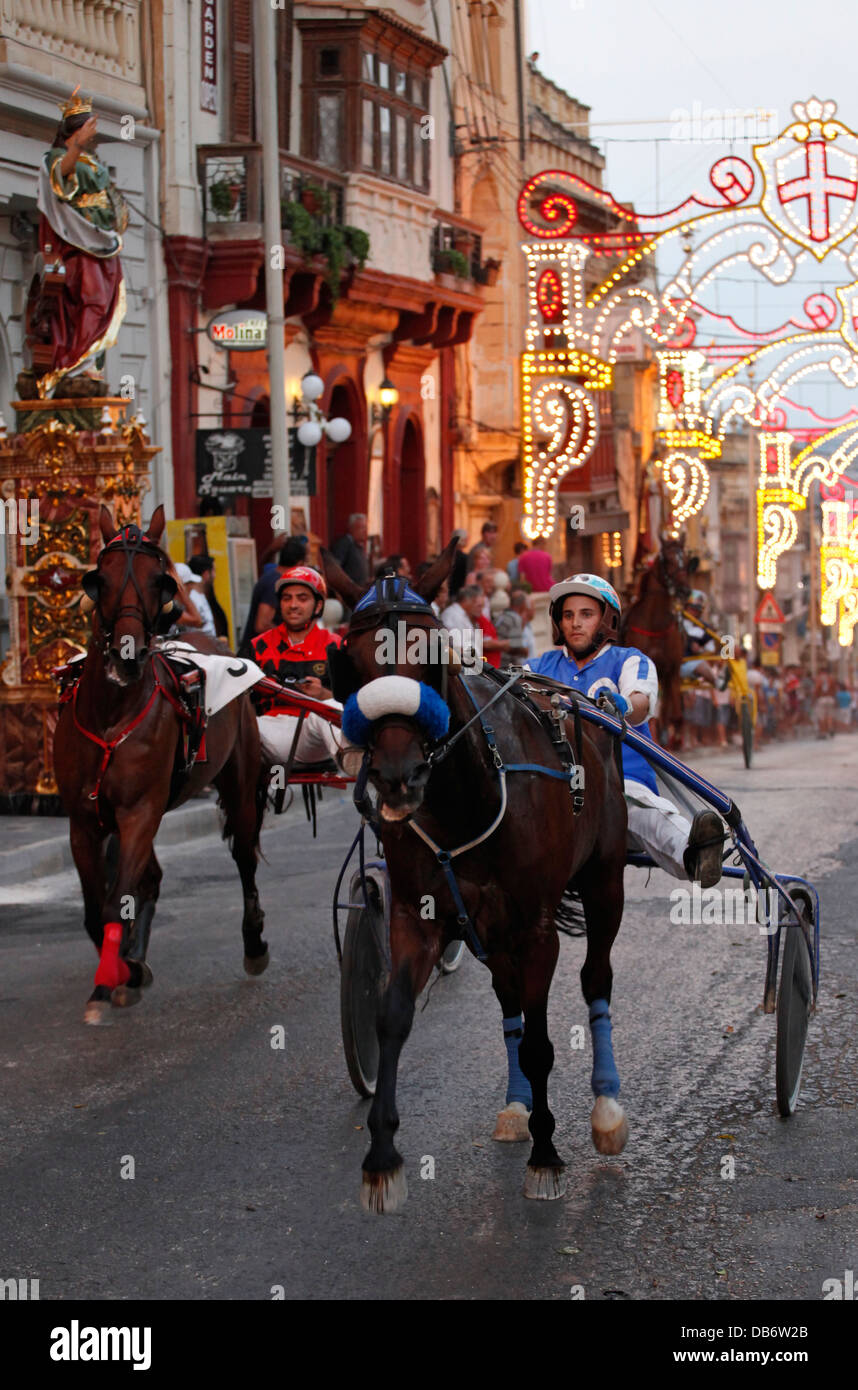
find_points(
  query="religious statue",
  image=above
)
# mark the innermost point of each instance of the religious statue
(77, 303)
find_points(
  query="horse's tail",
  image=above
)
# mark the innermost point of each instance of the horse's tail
(259, 790)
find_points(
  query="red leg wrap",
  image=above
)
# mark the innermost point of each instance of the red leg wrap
(112, 971)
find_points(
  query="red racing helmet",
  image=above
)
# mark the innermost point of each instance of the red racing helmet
(311, 579)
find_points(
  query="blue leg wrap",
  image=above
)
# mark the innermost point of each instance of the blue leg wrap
(605, 1080)
(518, 1087)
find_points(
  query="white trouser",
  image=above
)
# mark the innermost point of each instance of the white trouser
(657, 828)
(319, 739)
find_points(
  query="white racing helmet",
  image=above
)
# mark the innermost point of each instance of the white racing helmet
(595, 587)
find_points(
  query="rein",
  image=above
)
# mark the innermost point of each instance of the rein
(131, 541)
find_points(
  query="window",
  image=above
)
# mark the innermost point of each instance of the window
(364, 95)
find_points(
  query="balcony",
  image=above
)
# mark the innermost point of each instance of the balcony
(457, 249)
(95, 37)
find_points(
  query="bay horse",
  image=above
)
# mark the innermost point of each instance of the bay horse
(651, 623)
(115, 750)
(481, 835)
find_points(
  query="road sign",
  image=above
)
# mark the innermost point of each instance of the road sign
(769, 610)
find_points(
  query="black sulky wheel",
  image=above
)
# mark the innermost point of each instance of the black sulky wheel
(363, 977)
(795, 1001)
(746, 717)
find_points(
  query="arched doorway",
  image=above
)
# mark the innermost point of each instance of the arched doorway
(412, 494)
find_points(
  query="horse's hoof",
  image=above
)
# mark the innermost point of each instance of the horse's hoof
(124, 996)
(97, 1012)
(545, 1184)
(254, 965)
(511, 1127)
(146, 976)
(609, 1125)
(384, 1192)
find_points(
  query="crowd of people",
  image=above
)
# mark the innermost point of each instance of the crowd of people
(490, 608)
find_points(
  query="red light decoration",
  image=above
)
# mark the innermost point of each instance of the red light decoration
(821, 310)
(549, 295)
(674, 388)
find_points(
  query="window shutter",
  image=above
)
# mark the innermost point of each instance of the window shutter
(283, 20)
(242, 124)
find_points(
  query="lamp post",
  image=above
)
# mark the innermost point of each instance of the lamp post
(314, 422)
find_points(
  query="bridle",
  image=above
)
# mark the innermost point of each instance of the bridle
(132, 542)
(668, 576)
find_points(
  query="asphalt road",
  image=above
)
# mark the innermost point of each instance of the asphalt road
(246, 1157)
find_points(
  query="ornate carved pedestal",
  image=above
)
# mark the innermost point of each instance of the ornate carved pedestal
(53, 480)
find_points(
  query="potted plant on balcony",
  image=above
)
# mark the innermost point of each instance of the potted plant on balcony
(489, 272)
(224, 196)
(451, 262)
(316, 198)
(342, 246)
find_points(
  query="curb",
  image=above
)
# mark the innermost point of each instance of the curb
(53, 856)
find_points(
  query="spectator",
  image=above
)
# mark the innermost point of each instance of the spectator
(512, 565)
(514, 624)
(263, 612)
(486, 581)
(488, 540)
(398, 563)
(203, 567)
(535, 566)
(190, 615)
(454, 617)
(350, 550)
(493, 647)
(201, 603)
(825, 691)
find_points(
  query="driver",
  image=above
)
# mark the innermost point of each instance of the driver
(697, 640)
(585, 619)
(296, 651)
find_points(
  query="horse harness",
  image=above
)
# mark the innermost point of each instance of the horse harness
(387, 602)
(184, 690)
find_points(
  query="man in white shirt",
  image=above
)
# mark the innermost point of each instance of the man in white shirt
(195, 588)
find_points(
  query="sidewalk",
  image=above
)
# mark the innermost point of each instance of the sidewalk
(34, 846)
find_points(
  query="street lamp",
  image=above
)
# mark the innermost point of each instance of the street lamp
(387, 398)
(314, 423)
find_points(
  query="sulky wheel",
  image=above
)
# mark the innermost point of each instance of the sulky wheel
(364, 973)
(452, 958)
(746, 718)
(795, 1001)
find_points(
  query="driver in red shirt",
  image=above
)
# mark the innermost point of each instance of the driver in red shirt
(296, 651)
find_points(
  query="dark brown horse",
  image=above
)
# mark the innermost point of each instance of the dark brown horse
(651, 623)
(115, 752)
(515, 840)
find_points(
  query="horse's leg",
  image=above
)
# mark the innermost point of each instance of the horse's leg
(87, 847)
(511, 1124)
(136, 833)
(544, 1178)
(242, 796)
(413, 953)
(601, 886)
(138, 937)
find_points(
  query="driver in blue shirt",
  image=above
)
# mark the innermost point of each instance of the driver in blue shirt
(585, 619)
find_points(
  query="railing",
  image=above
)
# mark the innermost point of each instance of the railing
(231, 181)
(101, 34)
(455, 234)
(301, 182)
(230, 177)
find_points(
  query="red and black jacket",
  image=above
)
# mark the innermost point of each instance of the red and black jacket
(290, 661)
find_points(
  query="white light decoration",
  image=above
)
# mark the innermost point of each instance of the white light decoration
(796, 197)
(338, 430)
(838, 562)
(312, 387)
(309, 433)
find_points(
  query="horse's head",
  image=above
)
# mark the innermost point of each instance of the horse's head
(676, 566)
(128, 589)
(392, 673)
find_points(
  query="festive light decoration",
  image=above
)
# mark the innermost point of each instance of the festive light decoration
(798, 198)
(612, 549)
(838, 562)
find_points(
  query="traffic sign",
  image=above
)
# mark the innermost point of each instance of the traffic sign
(769, 610)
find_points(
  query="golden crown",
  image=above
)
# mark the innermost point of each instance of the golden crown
(76, 105)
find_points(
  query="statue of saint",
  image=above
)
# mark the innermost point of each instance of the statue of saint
(80, 301)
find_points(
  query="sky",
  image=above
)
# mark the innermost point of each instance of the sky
(663, 79)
